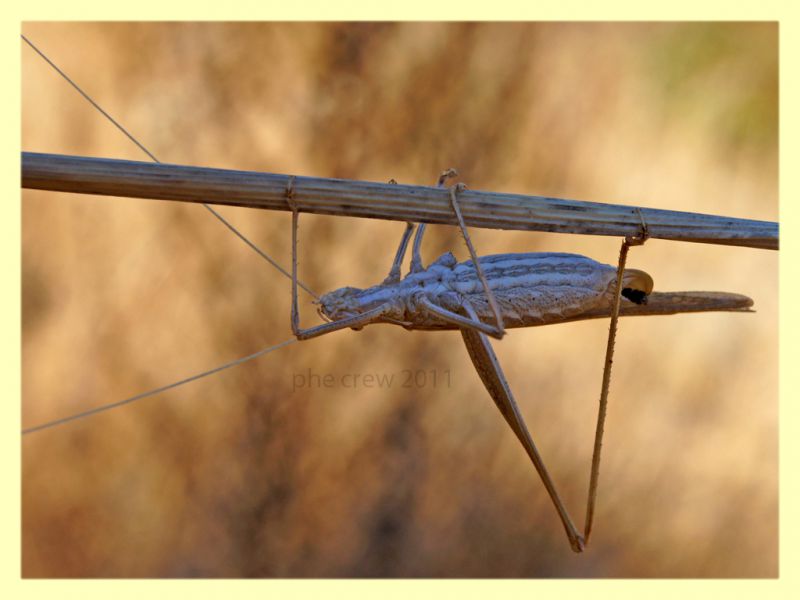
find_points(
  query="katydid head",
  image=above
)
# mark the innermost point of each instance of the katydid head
(636, 285)
(340, 304)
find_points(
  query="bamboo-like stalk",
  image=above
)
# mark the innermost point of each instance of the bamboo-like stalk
(421, 204)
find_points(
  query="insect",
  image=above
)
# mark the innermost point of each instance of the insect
(481, 304)
(521, 289)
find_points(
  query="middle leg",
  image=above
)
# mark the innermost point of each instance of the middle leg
(454, 191)
(416, 258)
(394, 271)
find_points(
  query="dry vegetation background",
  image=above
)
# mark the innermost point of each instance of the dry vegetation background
(239, 475)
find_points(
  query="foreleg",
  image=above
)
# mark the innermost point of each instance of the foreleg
(304, 334)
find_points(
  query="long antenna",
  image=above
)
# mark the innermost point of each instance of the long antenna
(143, 395)
(152, 156)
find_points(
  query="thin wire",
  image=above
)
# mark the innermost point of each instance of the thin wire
(143, 395)
(130, 136)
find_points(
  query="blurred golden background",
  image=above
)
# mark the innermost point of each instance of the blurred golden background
(247, 474)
